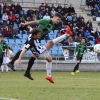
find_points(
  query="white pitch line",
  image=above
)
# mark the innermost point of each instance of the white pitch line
(2, 98)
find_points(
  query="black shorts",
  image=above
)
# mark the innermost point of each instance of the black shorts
(79, 58)
(1, 60)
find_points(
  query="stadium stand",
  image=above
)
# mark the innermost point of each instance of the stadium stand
(72, 17)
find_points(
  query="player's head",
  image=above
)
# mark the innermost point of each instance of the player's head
(36, 33)
(57, 18)
(2, 38)
(83, 40)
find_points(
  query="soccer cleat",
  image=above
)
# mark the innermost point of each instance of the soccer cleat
(11, 66)
(50, 79)
(77, 71)
(72, 73)
(28, 76)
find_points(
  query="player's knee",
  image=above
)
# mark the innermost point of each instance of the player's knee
(49, 58)
(50, 42)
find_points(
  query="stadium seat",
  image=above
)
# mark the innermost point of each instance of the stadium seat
(60, 51)
(6, 40)
(11, 41)
(18, 41)
(55, 51)
(15, 25)
(20, 35)
(25, 12)
(17, 15)
(52, 35)
(25, 36)
(28, 52)
(43, 42)
(70, 17)
(23, 41)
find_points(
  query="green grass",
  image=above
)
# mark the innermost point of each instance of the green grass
(81, 86)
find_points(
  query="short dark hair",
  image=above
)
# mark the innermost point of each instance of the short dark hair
(58, 15)
(1, 36)
(35, 31)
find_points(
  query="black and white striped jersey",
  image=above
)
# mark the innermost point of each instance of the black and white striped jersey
(35, 47)
(28, 39)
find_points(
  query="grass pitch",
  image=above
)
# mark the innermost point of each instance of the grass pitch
(81, 86)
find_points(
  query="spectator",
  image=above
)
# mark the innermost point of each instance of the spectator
(29, 12)
(82, 23)
(13, 10)
(6, 6)
(94, 12)
(42, 9)
(5, 31)
(53, 12)
(12, 6)
(1, 4)
(40, 16)
(12, 15)
(71, 9)
(47, 6)
(65, 9)
(59, 8)
(52, 6)
(5, 18)
(89, 22)
(34, 17)
(80, 18)
(22, 15)
(70, 41)
(88, 42)
(87, 34)
(46, 16)
(98, 40)
(97, 33)
(75, 27)
(88, 28)
(18, 8)
(47, 11)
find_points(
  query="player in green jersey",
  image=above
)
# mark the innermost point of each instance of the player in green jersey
(79, 51)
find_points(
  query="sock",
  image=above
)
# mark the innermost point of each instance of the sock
(6, 68)
(15, 57)
(76, 67)
(48, 68)
(30, 63)
(59, 39)
(2, 68)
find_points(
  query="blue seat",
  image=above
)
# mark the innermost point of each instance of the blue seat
(70, 17)
(18, 41)
(20, 35)
(28, 52)
(17, 15)
(52, 35)
(25, 36)
(12, 41)
(23, 41)
(43, 42)
(15, 51)
(6, 40)
(60, 51)
(55, 51)
(15, 25)
(25, 12)
(92, 43)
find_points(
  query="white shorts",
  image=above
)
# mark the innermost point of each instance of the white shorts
(6, 60)
(44, 53)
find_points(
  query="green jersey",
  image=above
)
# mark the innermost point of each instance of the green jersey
(80, 50)
(4, 45)
(46, 26)
(1, 53)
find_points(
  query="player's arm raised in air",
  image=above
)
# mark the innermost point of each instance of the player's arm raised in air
(30, 23)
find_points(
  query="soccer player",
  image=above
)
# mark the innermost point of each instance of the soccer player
(5, 54)
(40, 51)
(79, 51)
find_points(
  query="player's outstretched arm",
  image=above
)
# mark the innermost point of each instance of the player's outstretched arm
(30, 23)
(18, 61)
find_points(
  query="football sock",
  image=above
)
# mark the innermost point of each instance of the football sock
(15, 57)
(30, 64)
(76, 67)
(48, 68)
(59, 39)
(6, 68)
(2, 68)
